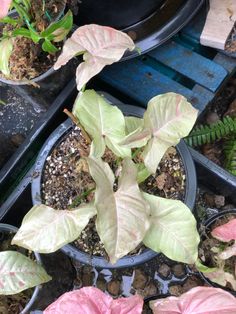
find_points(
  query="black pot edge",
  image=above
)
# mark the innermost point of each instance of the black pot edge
(217, 177)
(207, 224)
(7, 227)
(191, 187)
(169, 29)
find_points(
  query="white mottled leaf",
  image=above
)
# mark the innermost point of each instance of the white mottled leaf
(45, 230)
(173, 229)
(18, 273)
(103, 122)
(101, 46)
(123, 216)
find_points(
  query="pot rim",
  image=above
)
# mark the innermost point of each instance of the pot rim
(9, 228)
(101, 262)
(207, 223)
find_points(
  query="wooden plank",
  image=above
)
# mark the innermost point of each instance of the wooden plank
(190, 64)
(219, 23)
(142, 82)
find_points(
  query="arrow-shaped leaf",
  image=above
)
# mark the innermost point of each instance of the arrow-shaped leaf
(103, 122)
(18, 272)
(123, 216)
(45, 229)
(173, 229)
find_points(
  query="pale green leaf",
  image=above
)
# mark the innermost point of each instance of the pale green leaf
(123, 216)
(132, 124)
(18, 273)
(103, 122)
(173, 229)
(46, 230)
(170, 117)
(138, 138)
(6, 47)
(228, 252)
(143, 173)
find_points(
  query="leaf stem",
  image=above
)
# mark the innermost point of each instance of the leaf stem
(76, 122)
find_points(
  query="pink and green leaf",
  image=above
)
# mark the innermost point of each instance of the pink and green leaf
(222, 277)
(90, 300)
(101, 46)
(18, 273)
(122, 217)
(226, 232)
(199, 300)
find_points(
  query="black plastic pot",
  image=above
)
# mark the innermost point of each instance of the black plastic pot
(208, 223)
(149, 22)
(5, 228)
(128, 261)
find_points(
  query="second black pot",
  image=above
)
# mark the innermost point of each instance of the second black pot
(128, 261)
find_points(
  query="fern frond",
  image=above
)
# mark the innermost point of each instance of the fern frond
(230, 155)
(206, 134)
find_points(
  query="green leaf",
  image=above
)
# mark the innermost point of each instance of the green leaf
(173, 229)
(168, 118)
(103, 122)
(132, 124)
(59, 226)
(9, 20)
(18, 273)
(123, 216)
(21, 32)
(49, 47)
(57, 31)
(143, 173)
(6, 47)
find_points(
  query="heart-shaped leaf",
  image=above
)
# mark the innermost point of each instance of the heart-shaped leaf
(199, 300)
(123, 216)
(6, 47)
(100, 45)
(168, 118)
(173, 229)
(5, 6)
(90, 300)
(103, 122)
(225, 232)
(18, 272)
(46, 230)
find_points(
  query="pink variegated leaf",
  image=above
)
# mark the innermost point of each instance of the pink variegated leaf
(199, 300)
(226, 232)
(4, 7)
(90, 300)
(101, 46)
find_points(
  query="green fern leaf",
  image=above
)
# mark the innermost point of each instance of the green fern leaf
(230, 155)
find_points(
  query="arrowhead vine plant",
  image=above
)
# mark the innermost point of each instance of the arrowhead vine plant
(125, 215)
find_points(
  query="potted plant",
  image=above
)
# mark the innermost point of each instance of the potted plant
(131, 149)
(19, 270)
(31, 38)
(217, 251)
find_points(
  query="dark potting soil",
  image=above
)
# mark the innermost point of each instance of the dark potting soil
(13, 304)
(223, 105)
(208, 257)
(66, 182)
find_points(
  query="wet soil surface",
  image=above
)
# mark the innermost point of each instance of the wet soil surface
(223, 105)
(66, 178)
